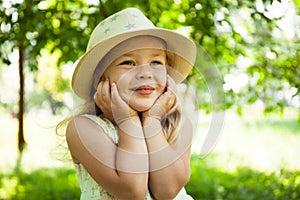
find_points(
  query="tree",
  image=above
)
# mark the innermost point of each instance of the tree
(252, 45)
(32, 25)
(247, 40)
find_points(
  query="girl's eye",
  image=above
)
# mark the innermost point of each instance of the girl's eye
(128, 62)
(156, 62)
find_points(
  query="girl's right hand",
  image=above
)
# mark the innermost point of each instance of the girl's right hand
(102, 98)
(121, 111)
(108, 99)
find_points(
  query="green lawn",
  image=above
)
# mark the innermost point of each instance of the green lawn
(254, 158)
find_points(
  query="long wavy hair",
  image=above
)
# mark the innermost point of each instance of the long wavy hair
(171, 121)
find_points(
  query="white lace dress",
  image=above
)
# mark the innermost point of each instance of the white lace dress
(90, 190)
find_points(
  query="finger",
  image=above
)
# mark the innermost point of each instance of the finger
(102, 96)
(171, 85)
(105, 91)
(99, 87)
(120, 110)
(97, 95)
(167, 100)
(115, 96)
(172, 100)
(98, 91)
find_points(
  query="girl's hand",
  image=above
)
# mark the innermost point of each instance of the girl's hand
(120, 109)
(164, 103)
(107, 98)
(102, 98)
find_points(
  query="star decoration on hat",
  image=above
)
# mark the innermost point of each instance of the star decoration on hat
(129, 26)
(107, 30)
(114, 18)
(102, 23)
(134, 16)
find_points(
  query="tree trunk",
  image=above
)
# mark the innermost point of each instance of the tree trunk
(52, 104)
(102, 10)
(21, 139)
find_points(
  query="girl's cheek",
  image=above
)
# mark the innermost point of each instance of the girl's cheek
(163, 79)
(161, 76)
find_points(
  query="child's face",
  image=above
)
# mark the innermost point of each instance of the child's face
(140, 74)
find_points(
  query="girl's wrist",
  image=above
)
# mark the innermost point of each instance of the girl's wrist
(131, 126)
(132, 119)
(146, 117)
(151, 126)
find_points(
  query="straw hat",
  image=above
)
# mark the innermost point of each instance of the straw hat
(119, 27)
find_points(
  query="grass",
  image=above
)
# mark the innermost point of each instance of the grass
(44, 183)
(253, 158)
(261, 143)
(209, 182)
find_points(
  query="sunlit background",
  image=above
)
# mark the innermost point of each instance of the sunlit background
(255, 46)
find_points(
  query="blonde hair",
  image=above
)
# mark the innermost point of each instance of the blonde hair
(170, 122)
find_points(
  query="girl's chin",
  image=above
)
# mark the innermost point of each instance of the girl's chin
(141, 107)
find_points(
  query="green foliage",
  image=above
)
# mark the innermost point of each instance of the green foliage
(209, 182)
(256, 54)
(45, 183)
(54, 25)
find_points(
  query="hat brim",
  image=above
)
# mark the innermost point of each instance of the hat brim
(181, 49)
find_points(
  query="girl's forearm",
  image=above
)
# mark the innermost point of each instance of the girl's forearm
(168, 170)
(132, 158)
(105, 161)
(132, 152)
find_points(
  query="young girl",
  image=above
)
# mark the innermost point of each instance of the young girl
(131, 140)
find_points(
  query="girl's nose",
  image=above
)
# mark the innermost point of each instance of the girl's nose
(144, 72)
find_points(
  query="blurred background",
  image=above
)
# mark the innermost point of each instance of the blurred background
(254, 46)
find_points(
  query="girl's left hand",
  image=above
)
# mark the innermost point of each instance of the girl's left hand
(164, 103)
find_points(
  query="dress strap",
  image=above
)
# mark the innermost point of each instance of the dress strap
(108, 127)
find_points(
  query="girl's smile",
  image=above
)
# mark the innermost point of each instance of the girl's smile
(141, 73)
(130, 138)
(144, 90)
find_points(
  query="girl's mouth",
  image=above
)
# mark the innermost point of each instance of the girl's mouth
(144, 90)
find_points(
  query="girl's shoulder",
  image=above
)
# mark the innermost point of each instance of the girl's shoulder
(101, 120)
(108, 127)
